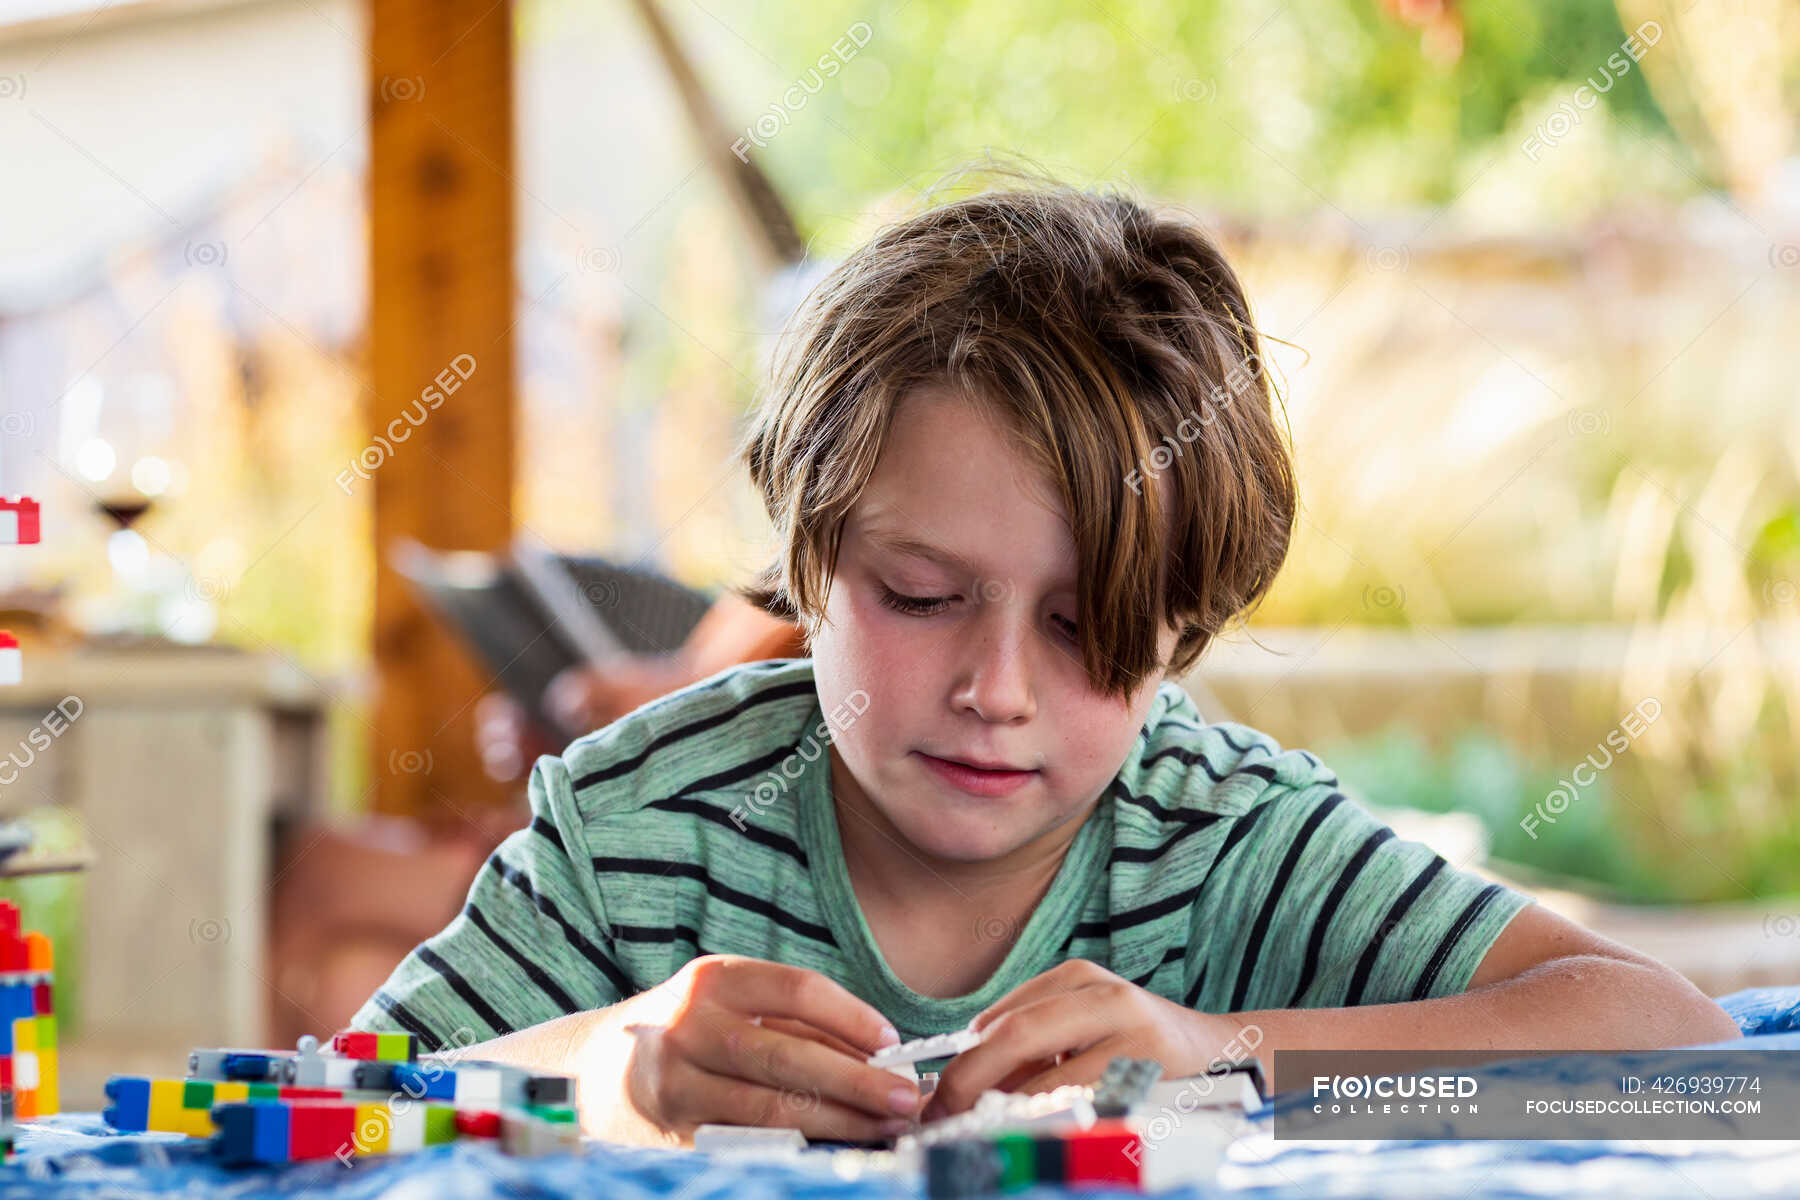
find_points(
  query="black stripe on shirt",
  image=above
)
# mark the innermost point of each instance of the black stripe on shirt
(463, 988)
(625, 766)
(594, 954)
(1240, 828)
(1260, 929)
(1145, 854)
(408, 1020)
(720, 891)
(1172, 954)
(533, 972)
(1461, 926)
(1316, 943)
(1193, 996)
(1366, 964)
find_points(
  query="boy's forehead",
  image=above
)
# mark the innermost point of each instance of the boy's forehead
(889, 530)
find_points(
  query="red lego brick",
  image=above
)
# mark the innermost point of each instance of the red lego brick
(320, 1130)
(25, 510)
(6, 1061)
(43, 999)
(1102, 1153)
(311, 1093)
(478, 1124)
(354, 1045)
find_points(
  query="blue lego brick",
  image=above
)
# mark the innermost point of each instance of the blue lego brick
(129, 1109)
(254, 1131)
(421, 1083)
(250, 1068)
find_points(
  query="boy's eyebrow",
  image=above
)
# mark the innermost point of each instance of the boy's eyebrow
(906, 543)
(901, 542)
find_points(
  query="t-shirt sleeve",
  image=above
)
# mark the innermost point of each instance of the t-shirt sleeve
(530, 943)
(1320, 905)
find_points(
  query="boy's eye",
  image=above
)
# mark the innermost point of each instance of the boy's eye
(1068, 628)
(918, 606)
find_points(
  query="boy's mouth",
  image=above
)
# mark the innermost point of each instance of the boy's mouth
(997, 780)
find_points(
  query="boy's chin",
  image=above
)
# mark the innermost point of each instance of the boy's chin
(962, 837)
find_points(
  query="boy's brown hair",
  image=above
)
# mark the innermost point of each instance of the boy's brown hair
(1114, 340)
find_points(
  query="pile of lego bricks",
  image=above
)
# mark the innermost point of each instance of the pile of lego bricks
(27, 1026)
(1127, 1131)
(367, 1094)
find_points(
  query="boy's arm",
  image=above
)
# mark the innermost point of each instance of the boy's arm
(1545, 984)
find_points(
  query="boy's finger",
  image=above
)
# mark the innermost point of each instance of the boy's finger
(766, 989)
(1038, 1031)
(1059, 980)
(802, 1029)
(737, 1102)
(806, 1070)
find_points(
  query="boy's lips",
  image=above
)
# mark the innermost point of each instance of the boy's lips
(978, 780)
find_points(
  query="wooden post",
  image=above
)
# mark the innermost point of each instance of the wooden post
(440, 318)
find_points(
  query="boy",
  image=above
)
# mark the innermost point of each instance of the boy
(1023, 459)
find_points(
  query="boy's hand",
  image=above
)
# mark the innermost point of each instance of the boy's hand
(1065, 1026)
(737, 1041)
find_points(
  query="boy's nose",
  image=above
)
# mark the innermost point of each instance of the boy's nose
(996, 683)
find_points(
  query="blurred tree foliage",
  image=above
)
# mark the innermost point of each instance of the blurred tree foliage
(1284, 106)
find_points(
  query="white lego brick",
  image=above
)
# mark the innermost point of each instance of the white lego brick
(1188, 1151)
(25, 1070)
(523, 1134)
(12, 665)
(9, 527)
(749, 1141)
(406, 1126)
(943, 1045)
(479, 1087)
(1234, 1092)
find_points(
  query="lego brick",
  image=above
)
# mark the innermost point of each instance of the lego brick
(256, 1066)
(396, 1047)
(19, 521)
(49, 1098)
(1018, 1161)
(319, 1129)
(524, 1134)
(943, 1045)
(473, 1123)
(751, 1139)
(406, 1126)
(128, 1103)
(311, 1093)
(372, 1125)
(1051, 1160)
(1107, 1152)
(43, 997)
(263, 1091)
(24, 1035)
(251, 1133)
(440, 1125)
(12, 660)
(425, 1083)
(46, 1032)
(354, 1045)
(25, 1070)
(954, 1170)
(316, 1070)
(1124, 1085)
(552, 1112)
(165, 1106)
(373, 1076)
(550, 1089)
(38, 953)
(479, 1087)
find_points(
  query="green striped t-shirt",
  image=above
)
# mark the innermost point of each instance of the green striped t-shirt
(1217, 870)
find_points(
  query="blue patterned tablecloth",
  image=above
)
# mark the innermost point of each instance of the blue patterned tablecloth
(75, 1154)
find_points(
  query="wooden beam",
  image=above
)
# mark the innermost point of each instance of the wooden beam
(441, 365)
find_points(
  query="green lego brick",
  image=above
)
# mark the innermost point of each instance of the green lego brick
(394, 1047)
(560, 1114)
(440, 1124)
(265, 1091)
(1018, 1161)
(46, 1033)
(197, 1093)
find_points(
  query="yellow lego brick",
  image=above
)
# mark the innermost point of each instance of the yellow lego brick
(225, 1093)
(48, 1100)
(166, 1112)
(24, 1034)
(373, 1122)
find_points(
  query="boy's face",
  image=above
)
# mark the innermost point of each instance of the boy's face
(985, 670)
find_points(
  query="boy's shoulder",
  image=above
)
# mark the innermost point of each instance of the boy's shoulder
(1183, 766)
(720, 732)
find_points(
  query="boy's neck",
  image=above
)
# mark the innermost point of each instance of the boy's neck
(896, 881)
